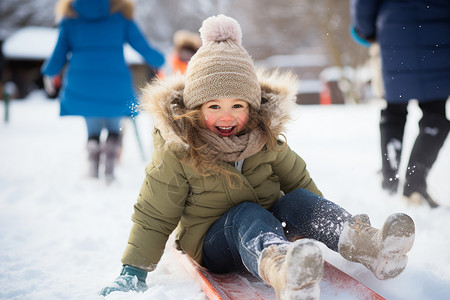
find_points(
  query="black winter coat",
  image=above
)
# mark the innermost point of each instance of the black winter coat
(414, 36)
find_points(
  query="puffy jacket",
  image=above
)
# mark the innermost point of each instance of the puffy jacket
(414, 36)
(97, 82)
(173, 196)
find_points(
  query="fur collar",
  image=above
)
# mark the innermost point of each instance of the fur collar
(163, 98)
(64, 8)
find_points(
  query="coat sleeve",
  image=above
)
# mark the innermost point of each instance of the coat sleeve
(136, 40)
(58, 59)
(157, 212)
(292, 173)
(364, 15)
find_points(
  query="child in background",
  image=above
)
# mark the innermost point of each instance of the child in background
(97, 83)
(234, 193)
(185, 45)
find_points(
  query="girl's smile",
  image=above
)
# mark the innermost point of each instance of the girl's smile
(225, 116)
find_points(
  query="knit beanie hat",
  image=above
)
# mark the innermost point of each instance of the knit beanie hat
(221, 68)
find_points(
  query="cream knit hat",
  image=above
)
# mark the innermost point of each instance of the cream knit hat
(221, 68)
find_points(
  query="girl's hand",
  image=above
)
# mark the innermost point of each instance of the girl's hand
(130, 279)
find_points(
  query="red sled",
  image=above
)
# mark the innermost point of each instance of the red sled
(239, 286)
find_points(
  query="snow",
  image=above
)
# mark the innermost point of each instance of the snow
(62, 234)
(43, 40)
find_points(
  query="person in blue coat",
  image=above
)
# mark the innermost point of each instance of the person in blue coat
(97, 83)
(414, 38)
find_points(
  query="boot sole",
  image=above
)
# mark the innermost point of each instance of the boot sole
(418, 199)
(398, 235)
(304, 270)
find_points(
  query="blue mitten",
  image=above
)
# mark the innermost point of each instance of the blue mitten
(358, 39)
(130, 279)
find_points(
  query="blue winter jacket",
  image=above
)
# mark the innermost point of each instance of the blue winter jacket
(97, 82)
(414, 36)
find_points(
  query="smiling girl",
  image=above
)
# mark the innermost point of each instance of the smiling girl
(234, 194)
(225, 116)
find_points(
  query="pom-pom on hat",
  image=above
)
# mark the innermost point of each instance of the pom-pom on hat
(221, 68)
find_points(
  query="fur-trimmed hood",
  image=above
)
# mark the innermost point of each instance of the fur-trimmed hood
(163, 99)
(89, 9)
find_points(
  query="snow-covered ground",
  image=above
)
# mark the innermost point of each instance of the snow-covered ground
(62, 235)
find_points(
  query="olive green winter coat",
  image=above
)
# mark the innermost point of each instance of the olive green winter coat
(173, 196)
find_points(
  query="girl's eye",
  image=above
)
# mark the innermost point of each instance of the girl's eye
(214, 106)
(237, 106)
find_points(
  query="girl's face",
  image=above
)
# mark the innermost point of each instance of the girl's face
(225, 116)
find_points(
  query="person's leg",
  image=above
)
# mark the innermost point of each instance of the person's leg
(307, 215)
(113, 125)
(392, 126)
(94, 128)
(250, 235)
(112, 146)
(239, 237)
(433, 131)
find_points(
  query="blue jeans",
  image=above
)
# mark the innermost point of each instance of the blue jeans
(95, 126)
(237, 239)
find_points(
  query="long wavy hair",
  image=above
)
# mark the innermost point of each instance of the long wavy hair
(199, 159)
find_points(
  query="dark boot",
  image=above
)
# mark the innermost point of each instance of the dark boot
(392, 126)
(433, 130)
(93, 148)
(111, 150)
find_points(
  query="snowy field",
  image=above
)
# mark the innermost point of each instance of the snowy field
(62, 235)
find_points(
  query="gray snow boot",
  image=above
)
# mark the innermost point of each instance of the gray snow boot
(383, 251)
(93, 149)
(294, 270)
(111, 149)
